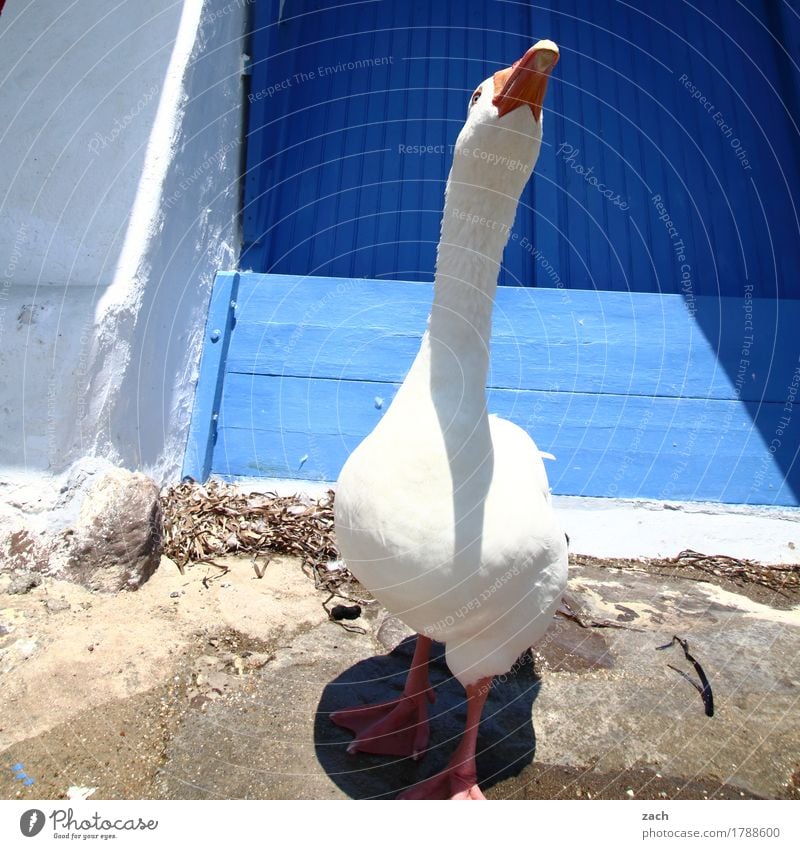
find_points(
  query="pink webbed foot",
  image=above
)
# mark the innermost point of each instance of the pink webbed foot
(459, 779)
(453, 782)
(398, 727)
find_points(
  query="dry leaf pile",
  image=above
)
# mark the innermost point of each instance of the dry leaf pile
(780, 578)
(203, 521)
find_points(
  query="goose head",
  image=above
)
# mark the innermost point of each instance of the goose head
(499, 144)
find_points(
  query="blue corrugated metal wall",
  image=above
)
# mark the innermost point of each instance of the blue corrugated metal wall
(696, 106)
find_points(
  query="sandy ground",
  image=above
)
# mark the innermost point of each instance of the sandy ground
(217, 684)
(92, 691)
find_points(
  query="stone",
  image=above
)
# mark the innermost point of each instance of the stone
(392, 631)
(117, 540)
(23, 581)
(26, 647)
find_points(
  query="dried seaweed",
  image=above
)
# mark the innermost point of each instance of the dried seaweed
(780, 578)
(203, 521)
(704, 687)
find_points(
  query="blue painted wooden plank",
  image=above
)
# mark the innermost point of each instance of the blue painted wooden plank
(300, 298)
(208, 394)
(605, 445)
(575, 359)
(586, 341)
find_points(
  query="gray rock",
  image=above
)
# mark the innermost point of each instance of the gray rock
(392, 632)
(23, 581)
(117, 539)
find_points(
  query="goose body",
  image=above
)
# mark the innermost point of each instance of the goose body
(452, 528)
(443, 512)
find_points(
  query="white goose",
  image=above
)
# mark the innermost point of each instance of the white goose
(444, 511)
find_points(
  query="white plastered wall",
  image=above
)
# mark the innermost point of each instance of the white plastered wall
(119, 198)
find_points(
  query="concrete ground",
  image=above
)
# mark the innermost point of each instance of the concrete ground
(219, 684)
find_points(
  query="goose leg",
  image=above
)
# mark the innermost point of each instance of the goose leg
(459, 779)
(400, 726)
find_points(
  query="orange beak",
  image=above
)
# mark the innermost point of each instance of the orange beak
(525, 82)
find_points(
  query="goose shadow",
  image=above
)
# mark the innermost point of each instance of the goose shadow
(506, 740)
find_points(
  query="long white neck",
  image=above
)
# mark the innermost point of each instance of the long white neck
(448, 377)
(475, 228)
